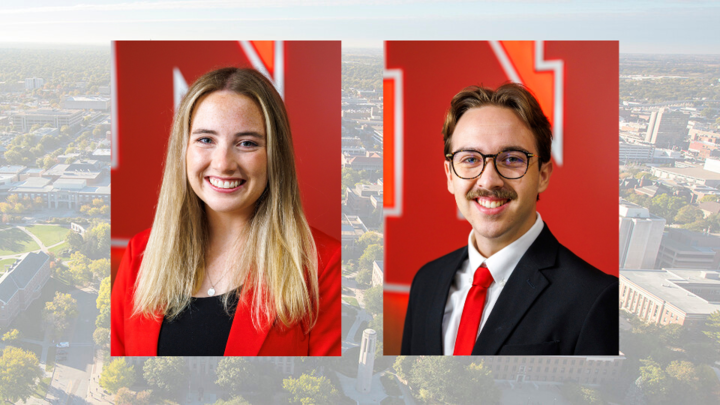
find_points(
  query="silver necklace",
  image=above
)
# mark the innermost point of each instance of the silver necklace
(211, 290)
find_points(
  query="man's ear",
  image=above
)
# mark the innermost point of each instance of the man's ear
(544, 179)
(448, 174)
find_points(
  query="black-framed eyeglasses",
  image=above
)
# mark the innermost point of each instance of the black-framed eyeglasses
(470, 164)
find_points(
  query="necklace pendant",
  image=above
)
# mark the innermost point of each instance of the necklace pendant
(211, 292)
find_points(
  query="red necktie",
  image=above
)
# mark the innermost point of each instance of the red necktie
(472, 312)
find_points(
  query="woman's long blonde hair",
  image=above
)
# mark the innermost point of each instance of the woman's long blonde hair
(276, 257)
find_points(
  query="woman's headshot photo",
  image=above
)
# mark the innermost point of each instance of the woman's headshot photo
(230, 265)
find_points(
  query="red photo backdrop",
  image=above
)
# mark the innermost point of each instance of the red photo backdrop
(307, 74)
(576, 84)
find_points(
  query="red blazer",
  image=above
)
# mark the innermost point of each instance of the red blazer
(138, 336)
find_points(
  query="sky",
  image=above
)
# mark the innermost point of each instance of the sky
(660, 26)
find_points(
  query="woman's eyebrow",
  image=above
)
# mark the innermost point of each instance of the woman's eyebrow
(203, 131)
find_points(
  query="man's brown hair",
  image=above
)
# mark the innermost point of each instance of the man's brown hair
(510, 95)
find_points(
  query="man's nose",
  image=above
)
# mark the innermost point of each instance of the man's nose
(490, 178)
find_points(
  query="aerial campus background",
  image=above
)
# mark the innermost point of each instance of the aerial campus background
(54, 192)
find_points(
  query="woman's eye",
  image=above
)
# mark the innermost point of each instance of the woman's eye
(204, 140)
(248, 144)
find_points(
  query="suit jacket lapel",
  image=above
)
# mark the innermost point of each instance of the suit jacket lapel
(522, 289)
(147, 334)
(439, 300)
(244, 339)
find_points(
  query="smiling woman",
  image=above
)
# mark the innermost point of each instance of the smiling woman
(230, 265)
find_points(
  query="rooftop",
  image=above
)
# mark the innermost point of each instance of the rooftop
(662, 284)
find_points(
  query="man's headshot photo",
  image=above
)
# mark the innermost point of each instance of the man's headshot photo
(511, 285)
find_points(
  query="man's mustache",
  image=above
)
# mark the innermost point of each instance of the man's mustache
(501, 194)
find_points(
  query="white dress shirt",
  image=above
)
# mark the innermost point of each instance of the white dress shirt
(501, 266)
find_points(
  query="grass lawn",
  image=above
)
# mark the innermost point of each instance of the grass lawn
(42, 388)
(50, 363)
(13, 241)
(48, 234)
(57, 249)
(5, 262)
(352, 301)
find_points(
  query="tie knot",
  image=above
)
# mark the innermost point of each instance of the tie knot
(482, 277)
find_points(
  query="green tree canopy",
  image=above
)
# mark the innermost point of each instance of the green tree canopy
(688, 214)
(166, 373)
(234, 374)
(311, 390)
(19, 372)
(373, 298)
(371, 253)
(441, 379)
(60, 311)
(116, 375)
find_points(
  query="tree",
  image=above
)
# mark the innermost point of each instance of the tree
(364, 276)
(19, 373)
(446, 380)
(11, 336)
(100, 268)
(369, 238)
(238, 400)
(712, 327)
(708, 198)
(79, 269)
(655, 382)
(74, 240)
(116, 375)
(371, 253)
(688, 214)
(233, 374)
(124, 397)
(309, 390)
(101, 337)
(59, 311)
(376, 324)
(402, 366)
(166, 373)
(374, 300)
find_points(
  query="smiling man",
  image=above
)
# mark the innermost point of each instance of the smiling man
(514, 289)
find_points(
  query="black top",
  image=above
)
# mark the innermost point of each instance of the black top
(202, 329)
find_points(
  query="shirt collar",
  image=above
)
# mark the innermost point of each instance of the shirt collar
(502, 263)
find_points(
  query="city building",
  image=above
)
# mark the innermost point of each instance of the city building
(359, 198)
(667, 128)
(351, 229)
(86, 103)
(371, 161)
(586, 370)
(661, 297)
(635, 153)
(640, 236)
(24, 120)
(34, 83)
(685, 249)
(21, 285)
(62, 193)
(377, 273)
(707, 175)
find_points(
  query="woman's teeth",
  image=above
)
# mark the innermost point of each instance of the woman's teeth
(224, 184)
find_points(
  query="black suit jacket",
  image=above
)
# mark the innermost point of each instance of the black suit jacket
(554, 303)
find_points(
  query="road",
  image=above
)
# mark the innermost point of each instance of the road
(72, 375)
